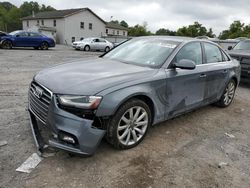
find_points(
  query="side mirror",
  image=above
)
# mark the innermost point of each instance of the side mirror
(185, 64)
(230, 48)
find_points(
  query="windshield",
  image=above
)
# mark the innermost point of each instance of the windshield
(242, 45)
(151, 52)
(14, 32)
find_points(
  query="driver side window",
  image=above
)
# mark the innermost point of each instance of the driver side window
(22, 34)
(191, 51)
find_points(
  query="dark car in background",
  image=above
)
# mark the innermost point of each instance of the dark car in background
(27, 39)
(241, 52)
(120, 94)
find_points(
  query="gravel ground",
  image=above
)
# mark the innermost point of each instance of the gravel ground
(183, 152)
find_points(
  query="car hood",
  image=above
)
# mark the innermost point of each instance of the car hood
(239, 52)
(89, 77)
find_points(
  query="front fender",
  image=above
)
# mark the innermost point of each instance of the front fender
(154, 90)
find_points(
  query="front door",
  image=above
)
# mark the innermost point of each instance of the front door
(185, 88)
(21, 39)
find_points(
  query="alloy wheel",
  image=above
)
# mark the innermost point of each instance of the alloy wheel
(132, 125)
(44, 46)
(229, 93)
(7, 45)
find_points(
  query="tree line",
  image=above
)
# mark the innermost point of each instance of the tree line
(10, 15)
(10, 20)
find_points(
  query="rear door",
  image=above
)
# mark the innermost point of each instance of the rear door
(35, 39)
(217, 66)
(102, 44)
(185, 88)
(94, 44)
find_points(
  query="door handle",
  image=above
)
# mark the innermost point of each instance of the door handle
(203, 75)
(224, 71)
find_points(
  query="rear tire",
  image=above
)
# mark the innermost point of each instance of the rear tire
(87, 48)
(7, 44)
(44, 46)
(129, 125)
(228, 95)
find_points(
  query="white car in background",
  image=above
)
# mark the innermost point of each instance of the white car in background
(88, 44)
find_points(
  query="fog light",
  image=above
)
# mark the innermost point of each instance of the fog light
(68, 139)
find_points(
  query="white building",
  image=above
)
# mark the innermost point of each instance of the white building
(113, 29)
(71, 24)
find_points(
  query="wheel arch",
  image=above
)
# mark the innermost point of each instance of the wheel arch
(115, 107)
(144, 98)
(235, 79)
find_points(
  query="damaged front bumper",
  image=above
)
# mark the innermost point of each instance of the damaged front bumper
(84, 138)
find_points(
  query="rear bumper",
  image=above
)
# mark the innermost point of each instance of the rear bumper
(59, 123)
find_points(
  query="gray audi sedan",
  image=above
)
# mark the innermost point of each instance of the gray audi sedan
(120, 94)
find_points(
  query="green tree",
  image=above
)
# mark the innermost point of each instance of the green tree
(10, 15)
(210, 33)
(3, 19)
(6, 5)
(45, 8)
(124, 24)
(13, 19)
(28, 7)
(139, 30)
(193, 30)
(163, 31)
(236, 29)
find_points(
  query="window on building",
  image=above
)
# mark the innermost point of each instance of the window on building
(113, 32)
(37, 22)
(73, 39)
(90, 26)
(82, 25)
(117, 32)
(27, 23)
(42, 22)
(54, 23)
(107, 31)
(124, 33)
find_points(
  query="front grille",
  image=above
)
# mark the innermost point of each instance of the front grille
(39, 101)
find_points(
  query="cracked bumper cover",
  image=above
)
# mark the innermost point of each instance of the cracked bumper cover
(58, 120)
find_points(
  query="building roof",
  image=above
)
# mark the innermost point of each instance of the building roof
(113, 25)
(58, 14)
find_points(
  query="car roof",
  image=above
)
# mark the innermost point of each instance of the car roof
(174, 38)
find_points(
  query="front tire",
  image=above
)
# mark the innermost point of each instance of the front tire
(107, 49)
(228, 95)
(7, 44)
(129, 125)
(87, 48)
(44, 46)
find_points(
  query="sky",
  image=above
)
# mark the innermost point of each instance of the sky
(169, 14)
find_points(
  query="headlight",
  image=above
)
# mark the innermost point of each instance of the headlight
(84, 102)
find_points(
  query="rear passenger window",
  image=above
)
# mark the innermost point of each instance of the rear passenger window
(191, 52)
(213, 53)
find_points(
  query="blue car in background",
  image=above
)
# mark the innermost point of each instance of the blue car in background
(27, 39)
